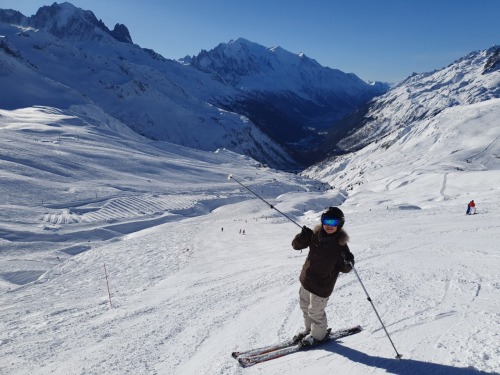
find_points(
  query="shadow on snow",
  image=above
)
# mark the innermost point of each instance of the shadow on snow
(403, 366)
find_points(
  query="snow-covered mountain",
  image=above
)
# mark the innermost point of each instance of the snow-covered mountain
(447, 122)
(472, 79)
(289, 96)
(65, 46)
(250, 66)
(164, 100)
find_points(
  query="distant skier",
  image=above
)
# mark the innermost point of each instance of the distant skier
(472, 208)
(328, 256)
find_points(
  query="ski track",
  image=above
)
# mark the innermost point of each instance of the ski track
(443, 187)
(125, 208)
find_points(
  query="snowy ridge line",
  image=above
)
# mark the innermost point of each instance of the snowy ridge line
(127, 207)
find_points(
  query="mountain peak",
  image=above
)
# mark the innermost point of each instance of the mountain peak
(121, 33)
(11, 16)
(242, 63)
(493, 62)
(66, 20)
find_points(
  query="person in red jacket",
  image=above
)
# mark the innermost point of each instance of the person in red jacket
(328, 256)
(472, 206)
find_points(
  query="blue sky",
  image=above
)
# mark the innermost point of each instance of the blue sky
(384, 40)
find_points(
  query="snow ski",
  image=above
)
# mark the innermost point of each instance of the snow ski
(253, 356)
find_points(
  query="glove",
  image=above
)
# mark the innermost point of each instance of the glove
(348, 263)
(306, 233)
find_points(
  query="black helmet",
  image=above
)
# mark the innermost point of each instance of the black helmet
(334, 213)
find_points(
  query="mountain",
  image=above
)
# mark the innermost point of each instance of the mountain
(253, 100)
(67, 47)
(289, 96)
(122, 254)
(65, 21)
(433, 127)
(472, 79)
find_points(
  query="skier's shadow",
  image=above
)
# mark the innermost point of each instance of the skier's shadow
(403, 366)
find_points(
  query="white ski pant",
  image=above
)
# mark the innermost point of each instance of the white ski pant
(313, 309)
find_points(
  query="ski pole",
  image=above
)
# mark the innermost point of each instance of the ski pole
(230, 177)
(398, 356)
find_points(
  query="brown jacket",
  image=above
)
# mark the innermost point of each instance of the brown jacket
(325, 259)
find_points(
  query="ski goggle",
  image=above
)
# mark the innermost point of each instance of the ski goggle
(330, 222)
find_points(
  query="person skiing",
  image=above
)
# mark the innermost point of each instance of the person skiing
(472, 206)
(328, 256)
(468, 209)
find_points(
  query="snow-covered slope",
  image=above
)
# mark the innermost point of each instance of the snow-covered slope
(434, 154)
(84, 198)
(84, 168)
(435, 128)
(472, 79)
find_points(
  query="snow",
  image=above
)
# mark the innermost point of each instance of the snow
(81, 192)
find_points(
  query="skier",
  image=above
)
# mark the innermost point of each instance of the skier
(468, 209)
(328, 256)
(472, 206)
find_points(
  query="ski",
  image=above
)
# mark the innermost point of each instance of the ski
(264, 349)
(268, 348)
(254, 356)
